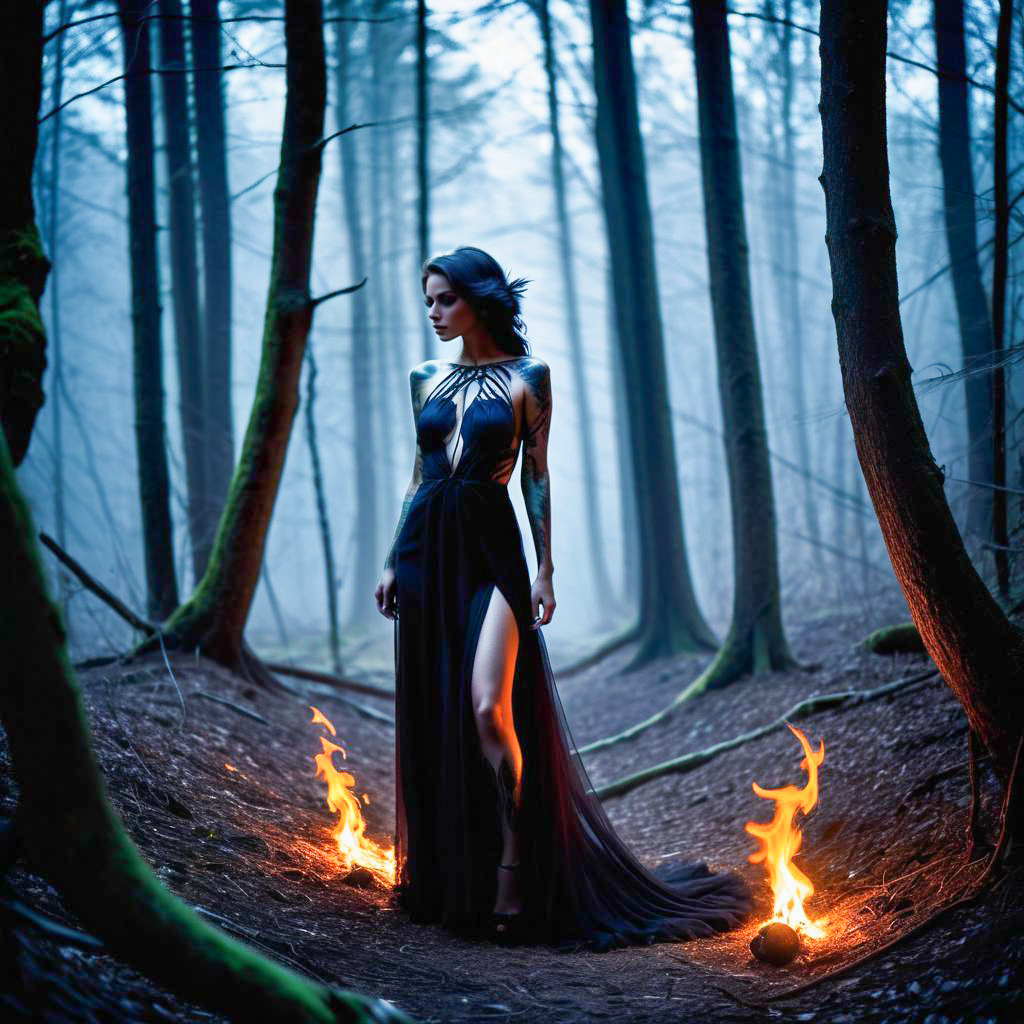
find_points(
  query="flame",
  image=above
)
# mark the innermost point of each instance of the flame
(780, 843)
(355, 848)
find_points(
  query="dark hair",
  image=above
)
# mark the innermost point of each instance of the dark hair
(479, 280)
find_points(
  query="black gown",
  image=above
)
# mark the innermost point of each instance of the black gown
(460, 538)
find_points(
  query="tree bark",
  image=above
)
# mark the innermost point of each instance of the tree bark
(215, 201)
(154, 486)
(755, 640)
(979, 652)
(577, 360)
(73, 837)
(23, 266)
(185, 277)
(213, 619)
(670, 618)
(960, 216)
(367, 563)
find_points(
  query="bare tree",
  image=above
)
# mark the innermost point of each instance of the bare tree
(150, 438)
(670, 620)
(367, 563)
(214, 617)
(979, 652)
(961, 232)
(185, 276)
(215, 201)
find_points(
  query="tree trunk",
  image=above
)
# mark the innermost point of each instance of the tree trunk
(23, 267)
(154, 486)
(979, 652)
(56, 336)
(213, 619)
(423, 156)
(670, 619)
(786, 263)
(215, 201)
(73, 837)
(1000, 264)
(381, 338)
(185, 276)
(577, 354)
(321, 511)
(367, 563)
(961, 232)
(756, 640)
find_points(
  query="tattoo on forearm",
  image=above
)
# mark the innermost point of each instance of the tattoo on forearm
(536, 482)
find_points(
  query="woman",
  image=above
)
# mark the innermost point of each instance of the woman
(497, 823)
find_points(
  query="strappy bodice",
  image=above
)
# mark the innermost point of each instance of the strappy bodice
(467, 425)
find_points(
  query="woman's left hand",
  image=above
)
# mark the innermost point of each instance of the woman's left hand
(542, 593)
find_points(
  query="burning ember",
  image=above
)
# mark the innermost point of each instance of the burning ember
(780, 843)
(357, 851)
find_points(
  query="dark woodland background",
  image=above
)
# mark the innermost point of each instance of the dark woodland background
(785, 451)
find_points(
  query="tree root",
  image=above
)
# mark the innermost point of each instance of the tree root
(727, 665)
(688, 762)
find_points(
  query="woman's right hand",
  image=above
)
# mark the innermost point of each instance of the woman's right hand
(387, 595)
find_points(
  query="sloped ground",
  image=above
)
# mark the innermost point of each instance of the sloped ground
(249, 846)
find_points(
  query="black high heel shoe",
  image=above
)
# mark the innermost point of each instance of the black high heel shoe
(507, 928)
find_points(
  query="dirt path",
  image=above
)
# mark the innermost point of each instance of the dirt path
(226, 808)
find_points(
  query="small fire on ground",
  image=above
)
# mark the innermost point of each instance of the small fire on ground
(780, 843)
(355, 848)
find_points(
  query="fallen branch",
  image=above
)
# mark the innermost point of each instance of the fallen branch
(315, 676)
(97, 588)
(255, 716)
(687, 762)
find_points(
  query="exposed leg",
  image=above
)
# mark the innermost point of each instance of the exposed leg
(493, 676)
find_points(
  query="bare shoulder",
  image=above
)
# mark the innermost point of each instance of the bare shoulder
(537, 375)
(424, 371)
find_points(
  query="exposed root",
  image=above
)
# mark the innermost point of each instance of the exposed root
(688, 762)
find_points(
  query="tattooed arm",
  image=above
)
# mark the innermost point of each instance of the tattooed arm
(536, 482)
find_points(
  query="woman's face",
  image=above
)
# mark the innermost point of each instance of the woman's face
(450, 316)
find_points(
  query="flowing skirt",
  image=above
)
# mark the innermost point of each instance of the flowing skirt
(580, 884)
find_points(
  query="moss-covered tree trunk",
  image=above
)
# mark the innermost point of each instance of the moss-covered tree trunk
(154, 485)
(72, 836)
(214, 618)
(23, 267)
(958, 207)
(979, 652)
(670, 620)
(185, 277)
(755, 640)
(215, 201)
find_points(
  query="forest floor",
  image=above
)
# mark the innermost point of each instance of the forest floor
(249, 847)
